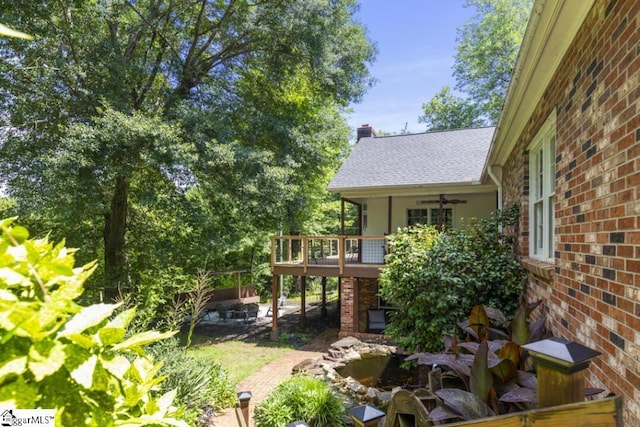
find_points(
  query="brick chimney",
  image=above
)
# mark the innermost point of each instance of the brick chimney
(365, 131)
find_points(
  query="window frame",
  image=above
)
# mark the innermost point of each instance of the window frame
(409, 216)
(448, 217)
(542, 177)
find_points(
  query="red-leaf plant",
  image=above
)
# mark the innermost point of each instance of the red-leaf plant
(489, 373)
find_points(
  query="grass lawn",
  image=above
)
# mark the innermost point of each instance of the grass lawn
(240, 359)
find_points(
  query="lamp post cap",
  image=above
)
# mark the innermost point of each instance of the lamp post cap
(244, 395)
(366, 413)
(562, 350)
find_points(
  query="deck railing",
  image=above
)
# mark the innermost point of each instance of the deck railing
(327, 250)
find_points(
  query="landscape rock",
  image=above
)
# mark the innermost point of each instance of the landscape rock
(305, 365)
(339, 355)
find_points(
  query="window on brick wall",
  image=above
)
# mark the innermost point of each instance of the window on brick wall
(542, 175)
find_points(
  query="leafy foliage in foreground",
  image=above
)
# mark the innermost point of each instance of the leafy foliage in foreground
(489, 373)
(199, 383)
(436, 278)
(58, 354)
(300, 398)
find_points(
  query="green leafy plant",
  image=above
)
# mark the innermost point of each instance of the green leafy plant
(293, 339)
(200, 384)
(488, 373)
(435, 278)
(300, 398)
(59, 355)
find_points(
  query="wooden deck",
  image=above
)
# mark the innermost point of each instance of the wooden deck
(328, 256)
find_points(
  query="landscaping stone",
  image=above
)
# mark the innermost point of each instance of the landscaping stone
(305, 365)
(338, 355)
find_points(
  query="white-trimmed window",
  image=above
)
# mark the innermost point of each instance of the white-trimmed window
(430, 216)
(542, 184)
(416, 216)
(447, 220)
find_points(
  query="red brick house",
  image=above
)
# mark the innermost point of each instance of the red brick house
(567, 152)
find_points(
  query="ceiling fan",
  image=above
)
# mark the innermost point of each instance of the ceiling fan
(442, 200)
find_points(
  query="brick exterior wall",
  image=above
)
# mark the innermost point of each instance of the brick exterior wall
(357, 296)
(347, 301)
(592, 292)
(367, 299)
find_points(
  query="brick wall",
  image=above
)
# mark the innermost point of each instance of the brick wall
(592, 292)
(359, 292)
(347, 301)
(367, 299)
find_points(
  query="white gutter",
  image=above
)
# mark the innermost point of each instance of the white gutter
(523, 52)
(552, 28)
(498, 182)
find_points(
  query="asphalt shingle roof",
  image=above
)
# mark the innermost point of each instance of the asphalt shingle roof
(445, 157)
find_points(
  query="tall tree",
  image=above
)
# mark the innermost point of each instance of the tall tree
(104, 94)
(487, 48)
(447, 111)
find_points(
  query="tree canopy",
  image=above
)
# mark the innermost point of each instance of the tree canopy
(487, 49)
(447, 111)
(158, 134)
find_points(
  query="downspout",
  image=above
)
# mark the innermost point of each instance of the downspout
(498, 182)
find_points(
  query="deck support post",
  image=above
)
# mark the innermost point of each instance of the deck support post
(561, 366)
(323, 310)
(303, 301)
(274, 308)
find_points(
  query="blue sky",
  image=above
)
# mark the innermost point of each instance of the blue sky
(416, 42)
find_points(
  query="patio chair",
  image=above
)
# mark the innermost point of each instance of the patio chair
(377, 321)
(281, 301)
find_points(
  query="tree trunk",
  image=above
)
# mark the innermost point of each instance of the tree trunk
(115, 265)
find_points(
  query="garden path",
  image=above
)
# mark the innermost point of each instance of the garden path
(261, 383)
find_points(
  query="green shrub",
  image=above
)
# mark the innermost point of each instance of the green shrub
(300, 398)
(59, 355)
(199, 384)
(436, 278)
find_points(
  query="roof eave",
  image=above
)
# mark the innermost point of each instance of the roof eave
(552, 26)
(417, 189)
